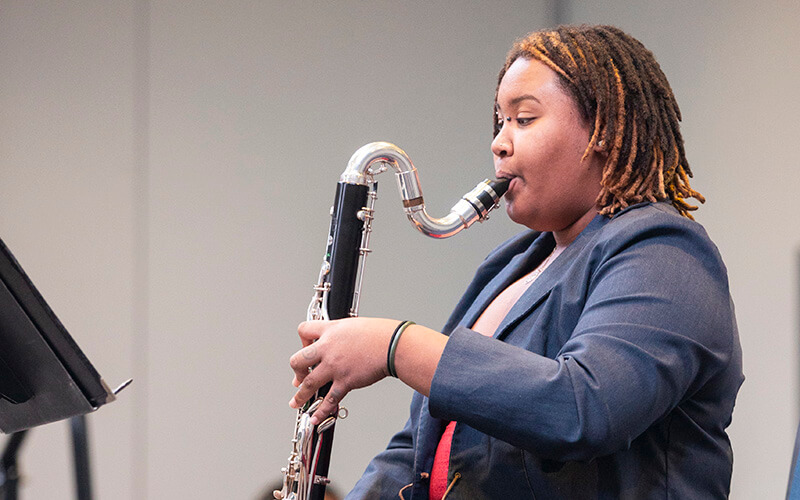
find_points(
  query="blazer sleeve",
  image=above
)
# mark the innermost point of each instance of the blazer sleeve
(657, 324)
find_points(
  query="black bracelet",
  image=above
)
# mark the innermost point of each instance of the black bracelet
(393, 346)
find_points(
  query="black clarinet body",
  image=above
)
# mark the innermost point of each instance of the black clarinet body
(344, 247)
(343, 250)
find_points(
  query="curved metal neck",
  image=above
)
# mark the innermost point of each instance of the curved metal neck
(359, 168)
(473, 206)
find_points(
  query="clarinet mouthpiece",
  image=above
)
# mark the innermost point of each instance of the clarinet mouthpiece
(499, 186)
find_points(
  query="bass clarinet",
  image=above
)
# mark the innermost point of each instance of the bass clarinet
(337, 292)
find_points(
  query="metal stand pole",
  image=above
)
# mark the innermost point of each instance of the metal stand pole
(9, 482)
(80, 446)
(9, 472)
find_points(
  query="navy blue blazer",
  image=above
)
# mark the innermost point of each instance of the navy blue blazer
(613, 376)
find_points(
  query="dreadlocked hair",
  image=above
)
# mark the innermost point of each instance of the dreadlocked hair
(620, 88)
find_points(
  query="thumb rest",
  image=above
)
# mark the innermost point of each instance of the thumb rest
(338, 288)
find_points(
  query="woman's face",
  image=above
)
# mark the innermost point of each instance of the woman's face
(539, 147)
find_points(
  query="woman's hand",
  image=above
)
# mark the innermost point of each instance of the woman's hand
(350, 353)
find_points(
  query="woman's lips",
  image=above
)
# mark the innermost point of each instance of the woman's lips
(511, 184)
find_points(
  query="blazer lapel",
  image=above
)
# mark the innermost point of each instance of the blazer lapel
(516, 267)
(554, 273)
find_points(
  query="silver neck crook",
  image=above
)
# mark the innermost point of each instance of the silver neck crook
(473, 206)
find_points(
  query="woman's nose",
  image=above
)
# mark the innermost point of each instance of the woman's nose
(501, 145)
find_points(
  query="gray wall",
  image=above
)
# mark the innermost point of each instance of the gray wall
(167, 169)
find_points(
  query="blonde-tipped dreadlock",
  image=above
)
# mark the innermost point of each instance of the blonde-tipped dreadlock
(620, 88)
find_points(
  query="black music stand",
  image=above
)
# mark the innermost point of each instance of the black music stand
(44, 376)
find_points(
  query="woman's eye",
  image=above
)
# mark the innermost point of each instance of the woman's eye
(524, 120)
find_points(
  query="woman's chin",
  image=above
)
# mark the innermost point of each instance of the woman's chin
(514, 214)
(526, 219)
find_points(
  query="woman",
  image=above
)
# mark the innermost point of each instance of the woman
(594, 355)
